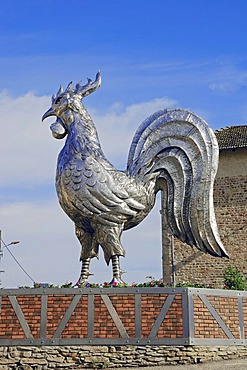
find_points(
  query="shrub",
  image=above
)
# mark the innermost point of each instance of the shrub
(233, 279)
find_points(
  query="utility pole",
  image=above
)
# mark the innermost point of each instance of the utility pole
(173, 263)
(166, 240)
(1, 255)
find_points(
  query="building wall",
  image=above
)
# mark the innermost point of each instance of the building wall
(230, 199)
(232, 163)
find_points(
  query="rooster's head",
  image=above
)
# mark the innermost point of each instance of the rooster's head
(64, 102)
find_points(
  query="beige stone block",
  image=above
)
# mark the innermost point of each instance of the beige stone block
(33, 361)
(55, 358)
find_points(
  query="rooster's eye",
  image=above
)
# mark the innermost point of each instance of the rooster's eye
(58, 100)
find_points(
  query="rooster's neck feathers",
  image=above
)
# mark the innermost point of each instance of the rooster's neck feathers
(82, 135)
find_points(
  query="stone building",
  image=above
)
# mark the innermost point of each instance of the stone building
(230, 199)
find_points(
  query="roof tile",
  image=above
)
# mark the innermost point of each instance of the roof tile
(232, 137)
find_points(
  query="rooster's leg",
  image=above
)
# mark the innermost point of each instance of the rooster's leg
(116, 271)
(89, 249)
(85, 273)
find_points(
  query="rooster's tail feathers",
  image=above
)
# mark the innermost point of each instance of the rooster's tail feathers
(184, 151)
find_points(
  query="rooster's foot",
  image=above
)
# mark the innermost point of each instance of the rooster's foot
(83, 284)
(117, 281)
(83, 280)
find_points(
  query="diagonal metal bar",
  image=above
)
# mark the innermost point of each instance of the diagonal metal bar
(216, 316)
(20, 316)
(161, 316)
(114, 316)
(43, 316)
(67, 315)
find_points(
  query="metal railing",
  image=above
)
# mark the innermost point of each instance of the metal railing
(194, 305)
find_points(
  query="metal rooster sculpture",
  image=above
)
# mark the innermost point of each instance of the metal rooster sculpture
(172, 147)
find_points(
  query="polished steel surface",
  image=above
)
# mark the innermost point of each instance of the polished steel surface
(172, 149)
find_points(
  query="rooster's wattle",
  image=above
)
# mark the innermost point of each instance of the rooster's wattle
(173, 150)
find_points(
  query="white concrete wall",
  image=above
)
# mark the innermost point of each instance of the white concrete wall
(232, 163)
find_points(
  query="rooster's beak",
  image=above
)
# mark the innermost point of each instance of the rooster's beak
(47, 114)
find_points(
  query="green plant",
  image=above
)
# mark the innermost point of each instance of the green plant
(67, 285)
(233, 279)
(44, 285)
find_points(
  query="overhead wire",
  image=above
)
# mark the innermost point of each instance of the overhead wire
(18, 263)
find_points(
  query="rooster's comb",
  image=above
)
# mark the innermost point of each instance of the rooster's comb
(80, 90)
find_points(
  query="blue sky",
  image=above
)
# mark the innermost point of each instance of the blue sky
(153, 54)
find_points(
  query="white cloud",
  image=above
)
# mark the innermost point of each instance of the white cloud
(27, 155)
(117, 127)
(41, 229)
(229, 79)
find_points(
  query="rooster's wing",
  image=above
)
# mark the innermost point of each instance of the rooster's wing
(108, 195)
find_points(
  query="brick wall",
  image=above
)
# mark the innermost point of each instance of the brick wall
(230, 199)
(205, 324)
(171, 325)
(104, 326)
